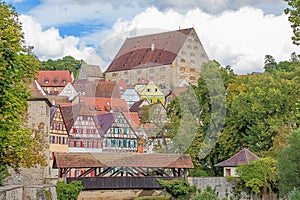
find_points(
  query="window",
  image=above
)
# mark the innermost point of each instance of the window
(126, 73)
(114, 74)
(155, 89)
(192, 54)
(54, 125)
(46, 80)
(190, 40)
(113, 143)
(125, 130)
(182, 60)
(162, 69)
(64, 81)
(151, 70)
(192, 62)
(116, 130)
(148, 89)
(195, 48)
(192, 78)
(193, 70)
(228, 172)
(60, 126)
(182, 69)
(139, 71)
(55, 80)
(203, 55)
(189, 46)
(183, 53)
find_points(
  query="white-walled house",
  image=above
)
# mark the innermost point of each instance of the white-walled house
(242, 157)
(130, 96)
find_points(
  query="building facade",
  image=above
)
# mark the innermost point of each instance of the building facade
(164, 58)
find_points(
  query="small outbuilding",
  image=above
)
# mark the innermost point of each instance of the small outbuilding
(242, 157)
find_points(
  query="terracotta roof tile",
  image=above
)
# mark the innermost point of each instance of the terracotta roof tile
(111, 159)
(54, 78)
(242, 157)
(105, 104)
(149, 50)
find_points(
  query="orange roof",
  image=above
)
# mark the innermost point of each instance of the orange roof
(133, 119)
(105, 104)
(149, 50)
(54, 78)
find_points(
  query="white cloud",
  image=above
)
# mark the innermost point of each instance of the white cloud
(238, 38)
(48, 44)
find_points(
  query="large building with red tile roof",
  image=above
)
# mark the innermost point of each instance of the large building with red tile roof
(53, 81)
(164, 58)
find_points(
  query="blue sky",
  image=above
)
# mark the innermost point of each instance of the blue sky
(234, 32)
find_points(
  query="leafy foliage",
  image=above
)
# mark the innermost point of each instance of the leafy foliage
(258, 175)
(178, 188)
(294, 17)
(68, 191)
(3, 173)
(207, 194)
(18, 66)
(294, 194)
(289, 165)
(66, 63)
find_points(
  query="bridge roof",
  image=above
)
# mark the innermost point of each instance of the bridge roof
(117, 159)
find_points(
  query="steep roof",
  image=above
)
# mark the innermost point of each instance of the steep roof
(117, 159)
(89, 71)
(105, 120)
(137, 105)
(54, 78)
(52, 112)
(100, 88)
(242, 157)
(149, 50)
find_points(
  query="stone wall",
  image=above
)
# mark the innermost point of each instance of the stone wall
(11, 192)
(222, 186)
(18, 192)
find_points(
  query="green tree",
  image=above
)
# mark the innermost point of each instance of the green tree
(294, 17)
(289, 165)
(68, 191)
(18, 67)
(66, 63)
(259, 175)
(270, 63)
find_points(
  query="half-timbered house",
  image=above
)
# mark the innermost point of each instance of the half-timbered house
(84, 136)
(118, 133)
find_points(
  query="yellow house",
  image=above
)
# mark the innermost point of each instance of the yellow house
(152, 93)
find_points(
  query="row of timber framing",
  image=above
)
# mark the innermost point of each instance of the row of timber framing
(122, 170)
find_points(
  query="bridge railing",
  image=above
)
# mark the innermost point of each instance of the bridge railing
(123, 182)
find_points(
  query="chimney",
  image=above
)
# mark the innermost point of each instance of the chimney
(152, 47)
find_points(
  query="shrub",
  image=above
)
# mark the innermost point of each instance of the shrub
(68, 191)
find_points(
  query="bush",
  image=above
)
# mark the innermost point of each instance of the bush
(68, 191)
(207, 194)
(179, 189)
(294, 194)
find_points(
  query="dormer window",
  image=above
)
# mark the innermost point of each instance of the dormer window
(46, 80)
(55, 80)
(64, 80)
(148, 89)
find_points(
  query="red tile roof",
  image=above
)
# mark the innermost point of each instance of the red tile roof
(149, 50)
(100, 88)
(105, 105)
(55, 78)
(242, 157)
(117, 159)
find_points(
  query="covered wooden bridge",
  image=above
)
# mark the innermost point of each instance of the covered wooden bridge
(112, 170)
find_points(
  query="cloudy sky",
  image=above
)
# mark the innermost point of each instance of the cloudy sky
(234, 32)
